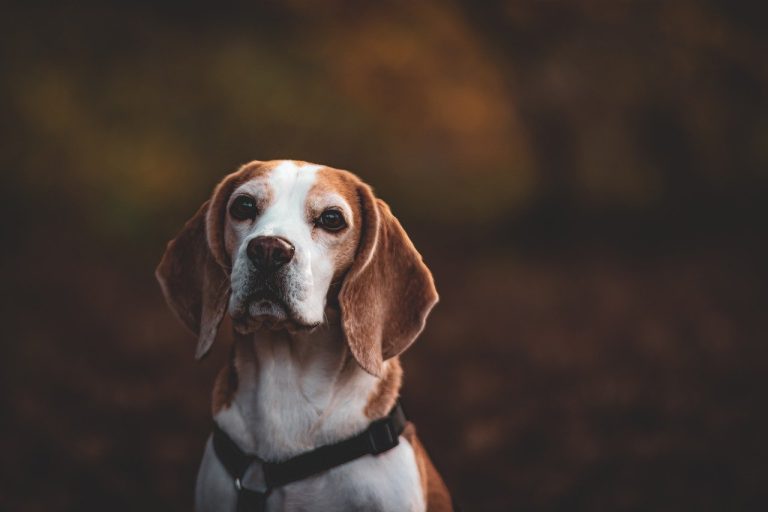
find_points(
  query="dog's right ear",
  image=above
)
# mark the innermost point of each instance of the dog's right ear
(195, 285)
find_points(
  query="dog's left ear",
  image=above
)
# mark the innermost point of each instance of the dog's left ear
(194, 271)
(388, 291)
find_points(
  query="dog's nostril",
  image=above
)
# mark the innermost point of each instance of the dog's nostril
(270, 252)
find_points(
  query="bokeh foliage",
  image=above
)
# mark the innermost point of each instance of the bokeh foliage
(459, 112)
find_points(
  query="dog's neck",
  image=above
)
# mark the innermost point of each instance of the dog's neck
(287, 392)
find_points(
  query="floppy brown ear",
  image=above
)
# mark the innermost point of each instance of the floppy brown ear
(388, 292)
(195, 285)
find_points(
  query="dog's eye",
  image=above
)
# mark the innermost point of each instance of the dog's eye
(331, 220)
(243, 207)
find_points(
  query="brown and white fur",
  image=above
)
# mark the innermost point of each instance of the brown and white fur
(315, 356)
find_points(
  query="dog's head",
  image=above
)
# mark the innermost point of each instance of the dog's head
(280, 242)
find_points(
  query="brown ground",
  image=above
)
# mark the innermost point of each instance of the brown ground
(548, 379)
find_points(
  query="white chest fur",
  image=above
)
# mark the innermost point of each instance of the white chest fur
(294, 394)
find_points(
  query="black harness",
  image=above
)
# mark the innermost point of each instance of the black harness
(262, 476)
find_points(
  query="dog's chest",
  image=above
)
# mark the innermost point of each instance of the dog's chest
(278, 413)
(283, 408)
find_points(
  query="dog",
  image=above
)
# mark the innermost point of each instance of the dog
(324, 290)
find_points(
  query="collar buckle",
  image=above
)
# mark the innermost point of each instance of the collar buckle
(382, 436)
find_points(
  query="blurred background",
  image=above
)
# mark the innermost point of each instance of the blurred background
(586, 180)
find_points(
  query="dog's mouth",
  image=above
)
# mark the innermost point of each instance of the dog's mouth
(265, 303)
(265, 295)
(265, 308)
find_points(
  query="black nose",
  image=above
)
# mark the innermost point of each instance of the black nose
(270, 252)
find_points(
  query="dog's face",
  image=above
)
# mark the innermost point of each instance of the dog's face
(291, 230)
(279, 242)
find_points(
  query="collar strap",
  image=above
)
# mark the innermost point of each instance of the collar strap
(381, 435)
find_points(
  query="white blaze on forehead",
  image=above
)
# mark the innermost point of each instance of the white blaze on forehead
(290, 184)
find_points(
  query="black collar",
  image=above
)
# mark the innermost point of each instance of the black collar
(381, 435)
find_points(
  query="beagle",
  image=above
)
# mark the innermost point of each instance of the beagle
(325, 290)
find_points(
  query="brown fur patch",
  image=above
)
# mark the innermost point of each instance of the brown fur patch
(383, 397)
(344, 184)
(225, 385)
(436, 494)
